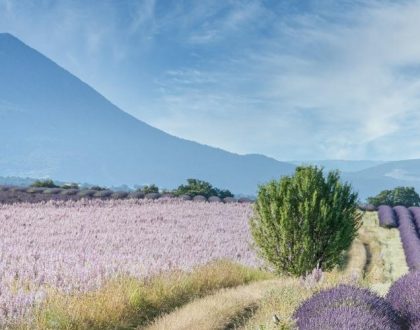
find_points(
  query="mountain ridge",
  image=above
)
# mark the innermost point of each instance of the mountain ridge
(53, 124)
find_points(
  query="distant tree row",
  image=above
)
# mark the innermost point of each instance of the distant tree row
(194, 187)
(406, 196)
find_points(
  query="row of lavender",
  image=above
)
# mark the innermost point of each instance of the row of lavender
(11, 195)
(408, 222)
(348, 307)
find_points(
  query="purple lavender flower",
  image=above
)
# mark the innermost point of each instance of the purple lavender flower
(387, 216)
(409, 238)
(346, 307)
(404, 297)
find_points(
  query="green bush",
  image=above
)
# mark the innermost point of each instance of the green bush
(48, 183)
(148, 189)
(406, 196)
(196, 187)
(71, 185)
(304, 221)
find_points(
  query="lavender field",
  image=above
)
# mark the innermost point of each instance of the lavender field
(78, 245)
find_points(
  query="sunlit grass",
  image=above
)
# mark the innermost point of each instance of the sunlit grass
(127, 302)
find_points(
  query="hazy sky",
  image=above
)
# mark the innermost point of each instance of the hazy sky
(290, 79)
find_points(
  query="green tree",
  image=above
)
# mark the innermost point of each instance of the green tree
(48, 183)
(406, 196)
(304, 221)
(148, 189)
(196, 187)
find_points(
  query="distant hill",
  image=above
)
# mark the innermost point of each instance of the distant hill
(54, 125)
(371, 177)
(388, 175)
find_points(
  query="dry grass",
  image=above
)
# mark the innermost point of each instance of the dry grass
(222, 310)
(126, 303)
(386, 256)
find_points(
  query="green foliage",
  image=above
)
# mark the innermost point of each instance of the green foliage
(406, 196)
(148, 189)
(70, 186)
(48, 183)
(304, 221)
(196, 187)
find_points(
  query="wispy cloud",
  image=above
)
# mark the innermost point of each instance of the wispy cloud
(295, 80)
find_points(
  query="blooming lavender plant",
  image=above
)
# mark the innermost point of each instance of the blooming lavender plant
(311, 280)
(387, 217)
(349, 318)
(76, 246)
(415, 211)
(409, 238)
(346, 307)
(404, 296)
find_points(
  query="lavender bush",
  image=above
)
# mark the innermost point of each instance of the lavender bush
(119, 194)
(404, 296)
(346, 307)
(136, 194)
(415, 211)
(214, 199)
(103, 193)
(387, 217)
(409, 237)
(77, 245)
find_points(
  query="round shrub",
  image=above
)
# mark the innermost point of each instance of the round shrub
(346, 307)
(102, 193)
(48, 183)
(86, 193)
(230, 200)
(152, 196)
(199, 198)
(349, 317)
(4, 188)
(166, 195)
(244, 200)
(119, 195)
(18, 189)
(305, 221)
(404, 297)
(214, 199)
(185, 197)
(52, 191)
(69, 192)
(35, 190)
(136, 195)
(387, 217)
(367, 207)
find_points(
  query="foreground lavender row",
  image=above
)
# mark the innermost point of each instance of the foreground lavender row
(79, 245)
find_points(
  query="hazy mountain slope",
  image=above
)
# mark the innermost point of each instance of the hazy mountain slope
(53, 124)
(388, 175)
(406, 170)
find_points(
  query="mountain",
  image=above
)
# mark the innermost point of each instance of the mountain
(54, 125)
(388, 175)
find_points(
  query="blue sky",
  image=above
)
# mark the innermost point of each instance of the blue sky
(291, 79)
